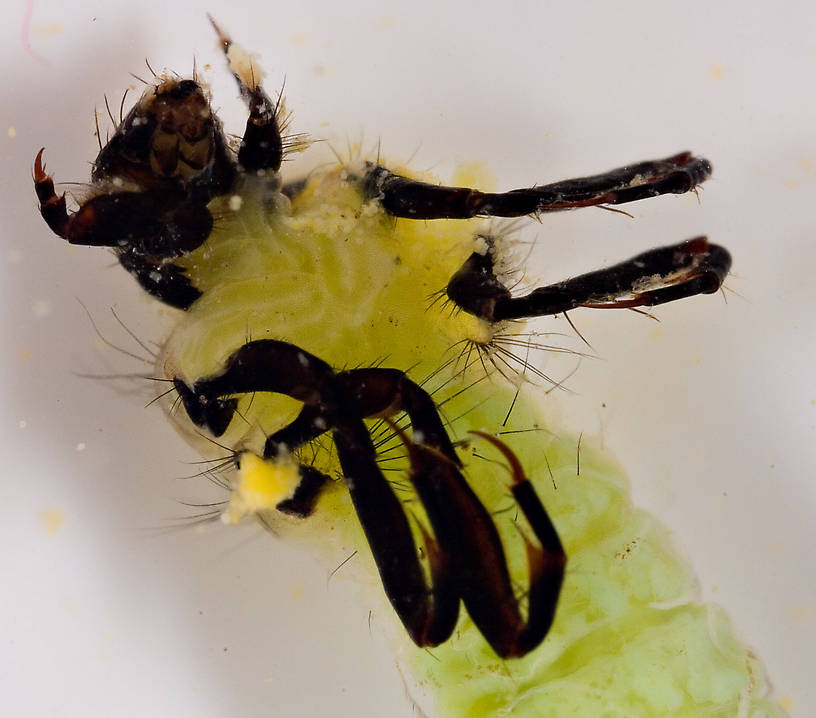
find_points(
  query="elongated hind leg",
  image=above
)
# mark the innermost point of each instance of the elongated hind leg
(404, 197)
(429, 612)
(465, 554)
(654, 277)
(262, 143)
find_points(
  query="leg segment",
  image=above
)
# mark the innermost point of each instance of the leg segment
(429, 614)
(144, 228)
(468, 535)
(654, 277)
(546, 563)
(156, 222)
(164, 280)
(465, 554)
(302, 503)
(404, 197)
(262, 144)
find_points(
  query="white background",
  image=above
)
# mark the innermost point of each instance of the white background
(712, 411)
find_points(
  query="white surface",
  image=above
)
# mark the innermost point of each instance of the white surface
(714, 418)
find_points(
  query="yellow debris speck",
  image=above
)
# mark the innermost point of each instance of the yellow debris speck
(52, 520)
(41, 308)
(54, 28)
(297, 590)
(786, 704)
(12, 132)
(22, 423)
(716, 72)
(261, 485)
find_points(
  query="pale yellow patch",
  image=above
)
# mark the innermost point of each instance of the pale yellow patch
(474, 174)
(479, 331)
(803, 611)
(656, 333)
(300, 38)
(22, 423)
(245, 65)
(52, 521)
(386, 22)
(786, 703)
(54, 28)
(26, 354)
(716, 72)
(805, 163)
(791, 184)
(297, 591)
(12, 132)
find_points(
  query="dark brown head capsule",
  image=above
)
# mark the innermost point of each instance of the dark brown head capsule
(171, 138)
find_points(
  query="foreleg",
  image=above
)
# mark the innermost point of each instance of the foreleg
(159, 223)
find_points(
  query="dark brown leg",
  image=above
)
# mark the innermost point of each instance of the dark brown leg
(404, 197)
(654, 277)
(302, 503)
(162, 279)
(145, 229)
(465, 554)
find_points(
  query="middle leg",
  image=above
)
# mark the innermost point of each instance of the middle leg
(654, 277)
